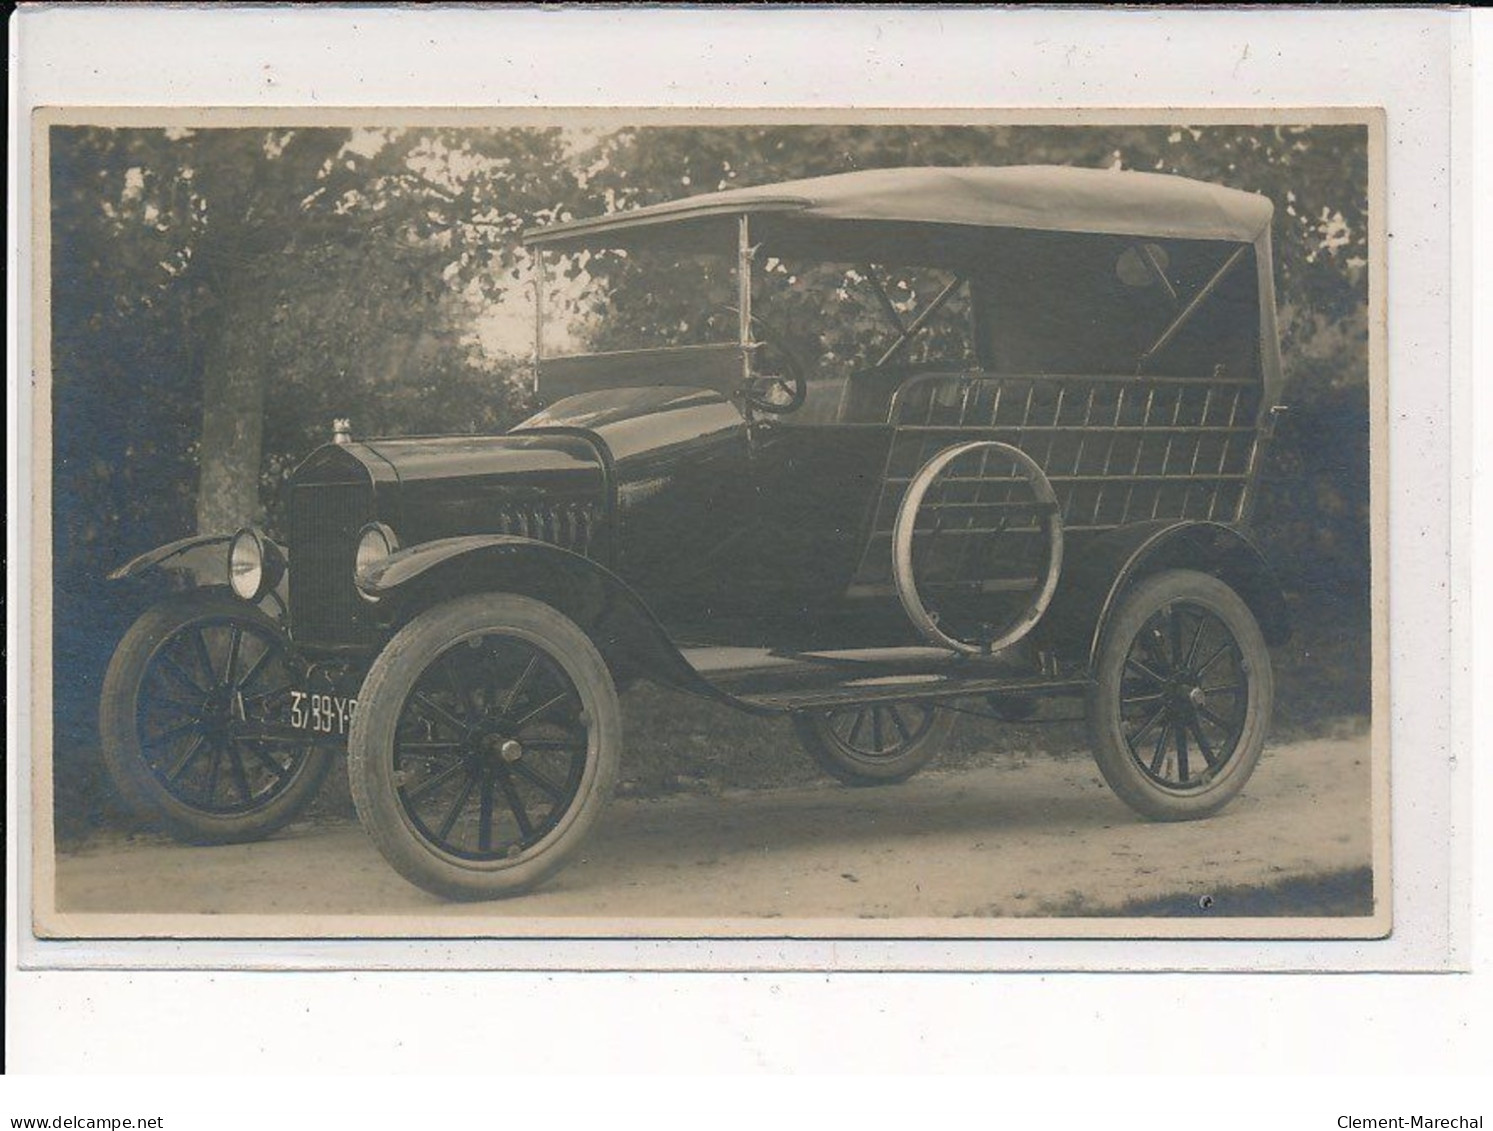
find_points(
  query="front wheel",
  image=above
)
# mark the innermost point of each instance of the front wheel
(874, 743)
(192, 721)
(487, 741)
(1181, 701)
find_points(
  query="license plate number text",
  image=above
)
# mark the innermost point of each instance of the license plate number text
(322, 714)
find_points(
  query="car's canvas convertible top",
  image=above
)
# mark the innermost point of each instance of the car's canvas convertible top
(1030, 197)
(952, 217)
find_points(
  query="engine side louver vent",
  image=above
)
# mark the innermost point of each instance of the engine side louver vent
(571, 526)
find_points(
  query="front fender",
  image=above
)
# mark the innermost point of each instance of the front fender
(1091, 588)
(201, 562)
(625, 631)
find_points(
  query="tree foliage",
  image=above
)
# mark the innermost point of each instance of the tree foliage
(295, 276)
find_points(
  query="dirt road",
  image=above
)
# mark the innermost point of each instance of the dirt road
(1032, 837)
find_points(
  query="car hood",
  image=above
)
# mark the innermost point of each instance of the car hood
(643, 422)
(454, 486)
(527, 458)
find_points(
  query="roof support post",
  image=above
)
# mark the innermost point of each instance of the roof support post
(538, 272)
(884, 299)
(911, 330)
(1158, 272)
(744, 255)
(1186, 313)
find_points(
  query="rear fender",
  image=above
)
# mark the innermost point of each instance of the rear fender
(1091, 589)
(623, 628)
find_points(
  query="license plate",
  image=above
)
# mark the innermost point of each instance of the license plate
(321, 713)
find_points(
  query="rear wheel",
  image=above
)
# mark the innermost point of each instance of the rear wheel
(874, 743)
(486, 743)
(192, 721)
(1181, 703)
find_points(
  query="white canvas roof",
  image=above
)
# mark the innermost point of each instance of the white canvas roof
(1029, 197)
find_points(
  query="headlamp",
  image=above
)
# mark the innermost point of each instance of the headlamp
(375, 543)
(255, 564)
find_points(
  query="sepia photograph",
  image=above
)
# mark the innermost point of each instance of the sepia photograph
(711, 524)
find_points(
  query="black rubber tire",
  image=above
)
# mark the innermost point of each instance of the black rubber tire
(1140, 786)
(838, 755)
(143, 787)
(391, 683)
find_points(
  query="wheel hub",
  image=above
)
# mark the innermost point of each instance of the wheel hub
(218, 711)
(494, 743)
(1184, 693)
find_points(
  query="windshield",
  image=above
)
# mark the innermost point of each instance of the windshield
(846, 316)
(638, 299)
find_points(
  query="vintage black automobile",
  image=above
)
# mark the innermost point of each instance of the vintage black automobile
(1034, 480)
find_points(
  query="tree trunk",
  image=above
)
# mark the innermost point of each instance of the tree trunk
(234, 377)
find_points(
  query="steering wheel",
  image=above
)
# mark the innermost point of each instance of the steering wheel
(778, 393)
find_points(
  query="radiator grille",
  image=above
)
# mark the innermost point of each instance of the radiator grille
(325, 519)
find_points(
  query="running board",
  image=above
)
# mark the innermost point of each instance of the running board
(799, 681)
(908, 691)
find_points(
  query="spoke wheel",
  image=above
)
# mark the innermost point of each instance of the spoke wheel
(1182, 701)
(192, 721)
(486, 743)
(874, 743)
